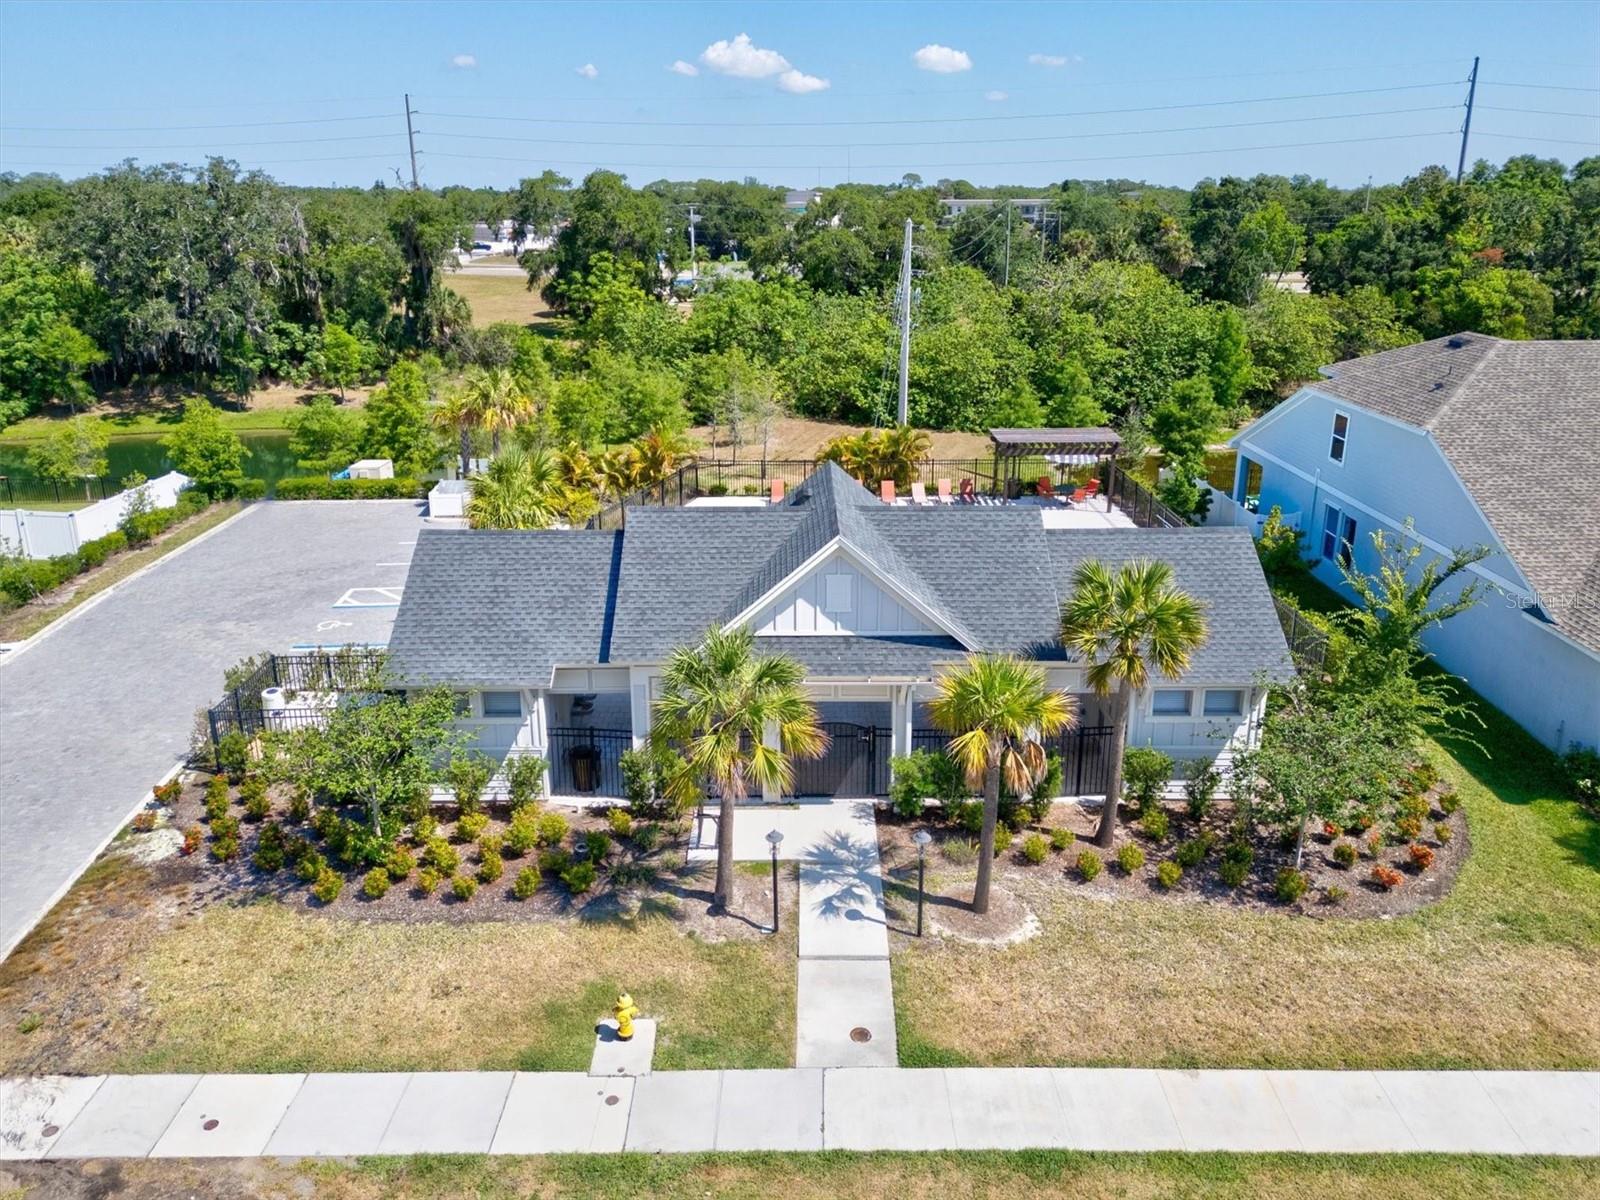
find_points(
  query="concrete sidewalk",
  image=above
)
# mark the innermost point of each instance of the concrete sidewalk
(189, 1116)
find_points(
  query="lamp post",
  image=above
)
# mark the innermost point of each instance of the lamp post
(921, 837)
(775, 839)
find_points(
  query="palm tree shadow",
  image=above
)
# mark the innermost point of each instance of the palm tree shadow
(844, 873)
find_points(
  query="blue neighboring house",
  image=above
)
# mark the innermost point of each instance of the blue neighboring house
(1478, 441)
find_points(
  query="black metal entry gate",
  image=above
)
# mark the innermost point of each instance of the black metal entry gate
(856, 763)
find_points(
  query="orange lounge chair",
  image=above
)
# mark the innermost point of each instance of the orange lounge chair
(777, 491)
(944, 491)
(969, 493)
(1093, 488)
(1080, 496)
(1045, 489)
(886, 491)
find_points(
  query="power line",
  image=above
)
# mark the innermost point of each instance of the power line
(351, 137)
(1539, 112)
(176, 128)
(1520, 137)
(1540, 87)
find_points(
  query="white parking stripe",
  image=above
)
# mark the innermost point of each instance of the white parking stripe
(370, 597)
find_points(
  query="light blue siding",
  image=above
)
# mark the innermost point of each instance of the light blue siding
(1391, 472)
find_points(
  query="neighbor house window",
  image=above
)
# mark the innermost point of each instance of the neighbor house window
(1338, 535)
(1341, 427)
(463, 704)
(1224, 702)
(502, 704)
(1170, 702)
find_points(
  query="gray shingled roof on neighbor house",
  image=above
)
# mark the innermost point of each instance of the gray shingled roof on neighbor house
(499, 608)
(1520, 424)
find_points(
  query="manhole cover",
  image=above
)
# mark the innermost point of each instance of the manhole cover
(50, 1130)
(210, 1125)
(861, 1034)
(612, 1099)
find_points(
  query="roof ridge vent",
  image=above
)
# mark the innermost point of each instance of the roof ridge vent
(1456, 342)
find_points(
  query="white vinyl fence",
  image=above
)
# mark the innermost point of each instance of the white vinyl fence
(36, 533)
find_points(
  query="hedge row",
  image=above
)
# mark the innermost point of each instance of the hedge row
(317, 487)
(21, 579)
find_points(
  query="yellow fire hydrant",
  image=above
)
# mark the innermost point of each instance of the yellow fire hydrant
(625, 1010)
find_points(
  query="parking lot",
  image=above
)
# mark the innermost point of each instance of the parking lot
(103, 704)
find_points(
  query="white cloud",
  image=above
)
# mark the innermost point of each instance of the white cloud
(942, 59)
(1053, 60)
(464, 62)
(997, 96)
(799, 83)
(588, 70)
(684, 68)
(743, 59)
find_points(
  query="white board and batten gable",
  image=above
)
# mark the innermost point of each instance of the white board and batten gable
(837, 596)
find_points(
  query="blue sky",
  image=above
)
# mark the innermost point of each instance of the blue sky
(796, 93)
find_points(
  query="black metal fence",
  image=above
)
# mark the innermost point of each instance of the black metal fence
(352, 668)
(1085, 754)
(1136, 500)
(856, 763)
(1308, 644)
(587, 762)
(14, 491)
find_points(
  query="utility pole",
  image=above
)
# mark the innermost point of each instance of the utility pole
(1009, 207)
(905, 325)
(1366, 202)
(693, 217)
(411, 141)
(1466, 126)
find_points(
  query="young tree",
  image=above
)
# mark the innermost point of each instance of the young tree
(206, 450)
(75, 452)
(324, 436)
(1231, 370)
(1121, 624)
(998, 708)
(344, 357)
(397, 424)
(1183, 426)
(720, 703)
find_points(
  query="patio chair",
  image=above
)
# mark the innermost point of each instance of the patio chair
(886, 491)
(1092, 488)
(1081, 496)
(777, 491)
(1045, 489)
(969, 492)
(919, 494)
(944, 492)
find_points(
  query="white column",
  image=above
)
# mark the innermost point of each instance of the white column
(639, 706)
(902, 709)
(769, 738)
(539, 723)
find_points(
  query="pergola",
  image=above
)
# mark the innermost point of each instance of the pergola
(1060, 447)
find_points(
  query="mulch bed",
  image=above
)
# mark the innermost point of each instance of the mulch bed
(1364, 898)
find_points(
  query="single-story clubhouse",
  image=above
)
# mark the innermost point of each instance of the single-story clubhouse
(556, 638)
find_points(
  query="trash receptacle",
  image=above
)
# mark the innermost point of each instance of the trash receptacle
(585, 764)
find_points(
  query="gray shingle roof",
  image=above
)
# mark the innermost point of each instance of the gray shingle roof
(503, 608)
(1520, 423)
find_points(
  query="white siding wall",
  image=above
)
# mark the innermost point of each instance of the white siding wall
(838, 597)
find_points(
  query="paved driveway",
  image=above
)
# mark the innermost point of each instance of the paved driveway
(99, 709)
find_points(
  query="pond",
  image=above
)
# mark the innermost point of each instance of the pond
(269, 459)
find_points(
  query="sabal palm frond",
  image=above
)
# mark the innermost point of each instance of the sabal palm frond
(659, 452)
(518, 491)
(718, 700)
(1120, 624)
(497, 401)
(619, 471)
(577, 467)
(456, 415)
(998, 708)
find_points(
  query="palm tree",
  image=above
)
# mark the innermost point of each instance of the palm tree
(1120, 624)
(498, 401)
(518, 491)
(577, 467)
(998, 707)
(718, 700)
(458, 416)
(875, 455)
(619, 471)
(659, 452)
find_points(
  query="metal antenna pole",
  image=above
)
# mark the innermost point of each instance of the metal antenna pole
(411, 141)
(1009, 207)
(693, 217)
(903, 412)
(1466, 126)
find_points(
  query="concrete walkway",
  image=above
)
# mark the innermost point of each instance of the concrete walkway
(191, 1116)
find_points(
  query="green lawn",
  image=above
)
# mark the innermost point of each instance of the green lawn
(1501, 973)
(147, 421)
(825, 1176)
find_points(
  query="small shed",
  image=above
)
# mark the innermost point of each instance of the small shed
(448, 498)
(371, 468)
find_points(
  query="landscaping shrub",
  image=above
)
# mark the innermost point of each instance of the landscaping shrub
(1442, 833)
(1387, 877)
(269, 855)
(1409, 828)
(646, 837)
(463, 887)
(1373, 842)
(554, 860)
(1002, 839)
(375, 884)
(424, 829)
(525, 779)
(1168, 874)
(144, 820)
(1145, 773)
(441, 856)
(1155, 823)
(428, 881)
(1421, 856)
(1192, 853)
(471, 826)
(908, 786)
(1236, 860)
(225, 827)
(1290, 885)
(491, 843)
(193, 837)
(1449, 802)
(645, 775)
(300, 806)
(257, 804)
(1334, 894)
(400, 863)
(621, 823)
(1422, 776)
(552, 829)
(1044, 793)
(225, 848)
(167, 793)
(320, 487)
(325, 823)
(960, 851)
(1035, 848)
(1060, 839)
(1581, 766)
(1344, 853)
(527, 883)
(468, 774)
(328, 887)
(490, 866)
(1089, 865)
(596, 845)
(216, 801)
(1200, 779)
(310, 866)
(233, 755)
(1130, 858)
(968, 814)
(522, 835)
(579, 877)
